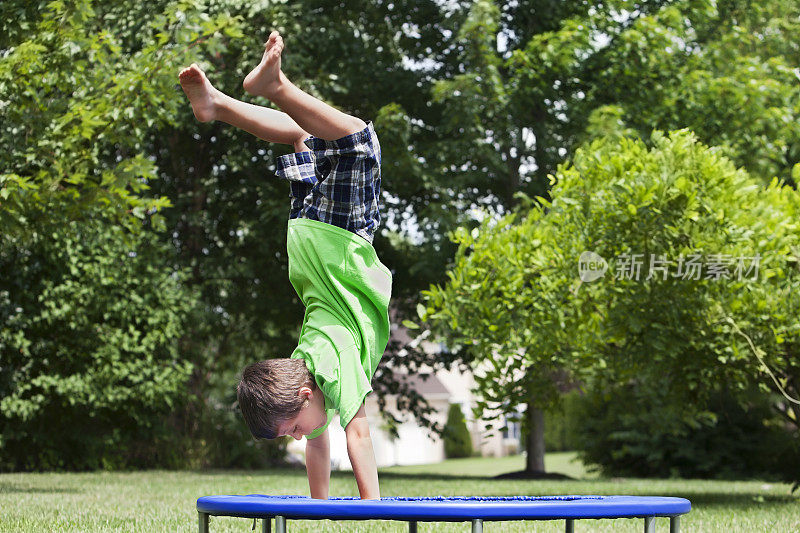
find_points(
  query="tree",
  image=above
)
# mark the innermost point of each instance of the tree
(515, 302)
(525, 83)
(92, 312)
(626, 432)
(525, 78)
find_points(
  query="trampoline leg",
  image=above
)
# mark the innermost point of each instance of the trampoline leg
(202, 522)
(570, 525)
(649, 524)
(412, 527)
(280, 524)
(674, 524)
(266, 525)
(477, 526)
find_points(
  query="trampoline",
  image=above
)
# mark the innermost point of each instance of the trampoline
(476, 510)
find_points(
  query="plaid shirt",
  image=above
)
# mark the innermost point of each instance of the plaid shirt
(337, 182)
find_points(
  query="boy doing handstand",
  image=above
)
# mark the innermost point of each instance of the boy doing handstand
(335, 179)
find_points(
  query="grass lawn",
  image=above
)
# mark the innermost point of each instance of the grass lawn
(564, 463)
(165, 501)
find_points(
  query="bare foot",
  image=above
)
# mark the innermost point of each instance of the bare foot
(266, 78)
(202, 95)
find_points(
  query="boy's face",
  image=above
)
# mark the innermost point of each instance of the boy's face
(311, 417)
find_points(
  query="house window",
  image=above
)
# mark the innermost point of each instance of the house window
(512, 428)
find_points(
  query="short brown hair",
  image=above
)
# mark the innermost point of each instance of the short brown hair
(268, 394)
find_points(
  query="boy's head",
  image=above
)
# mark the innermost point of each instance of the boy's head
(279, 397)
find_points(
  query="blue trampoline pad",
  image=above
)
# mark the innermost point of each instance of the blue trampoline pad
(452, 509)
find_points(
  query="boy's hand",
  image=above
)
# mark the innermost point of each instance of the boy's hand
(362, 457)
(318, 465)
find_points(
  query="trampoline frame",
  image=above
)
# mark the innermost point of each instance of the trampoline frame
(647, 508)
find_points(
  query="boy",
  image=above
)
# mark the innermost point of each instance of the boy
(334, 177)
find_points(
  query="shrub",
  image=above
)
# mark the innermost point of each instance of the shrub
(90, 374)
(626, 431)
(457, 441)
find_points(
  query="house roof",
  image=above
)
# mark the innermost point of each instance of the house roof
(427, 385)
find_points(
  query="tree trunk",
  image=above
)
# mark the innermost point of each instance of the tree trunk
(535, 445)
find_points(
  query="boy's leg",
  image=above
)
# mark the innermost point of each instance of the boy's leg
(312, 115)
(208, 104)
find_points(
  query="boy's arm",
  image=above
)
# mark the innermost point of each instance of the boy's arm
(362, 457)
(318, 465)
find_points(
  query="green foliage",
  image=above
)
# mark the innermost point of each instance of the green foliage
(93, 120)
(725, 70)
(533, 80)
(75, 113)
(86, 86)
(628, 433)
(91, 370)
(456, 437)
(515, 305)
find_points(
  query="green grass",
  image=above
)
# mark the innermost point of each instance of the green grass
(563, 463)
(165, 501)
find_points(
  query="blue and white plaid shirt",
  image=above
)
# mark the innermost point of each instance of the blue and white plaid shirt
(337, 182)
